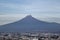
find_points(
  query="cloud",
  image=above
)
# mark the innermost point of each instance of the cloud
(9, 18)
(13, 10)
(50, 19)
(30, 6)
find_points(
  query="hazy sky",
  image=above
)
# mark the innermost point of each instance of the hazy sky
(12, 10)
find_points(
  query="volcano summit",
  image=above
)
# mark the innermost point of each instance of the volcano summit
(30, 24)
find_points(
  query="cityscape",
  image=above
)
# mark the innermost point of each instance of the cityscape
(29, 19)
(29, 36)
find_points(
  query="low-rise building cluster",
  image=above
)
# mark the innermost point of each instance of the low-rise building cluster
(29, 36)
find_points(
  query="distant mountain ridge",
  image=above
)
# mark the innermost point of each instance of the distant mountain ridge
(29, 24)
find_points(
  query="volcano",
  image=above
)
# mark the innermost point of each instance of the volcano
(30, 24)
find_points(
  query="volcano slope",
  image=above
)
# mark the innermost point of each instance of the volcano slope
(30, 24)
